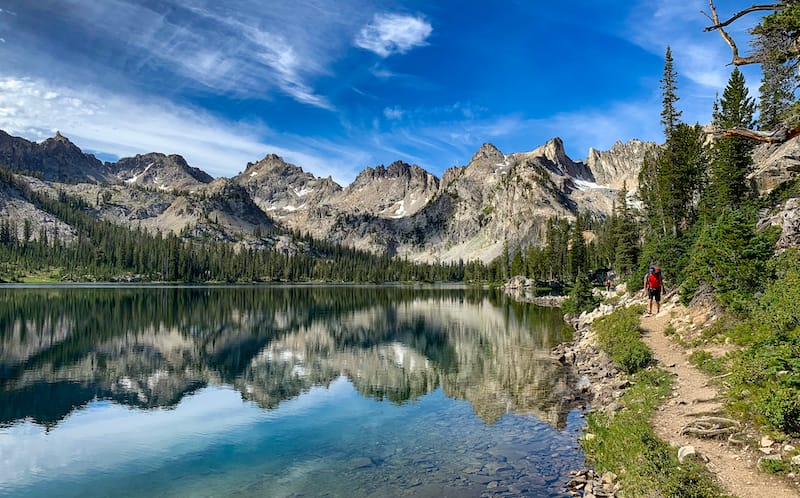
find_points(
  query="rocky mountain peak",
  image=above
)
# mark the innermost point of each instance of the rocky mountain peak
(165, 172)
(621, 164)
(553, 156)
(488, 153)
(55, 159)
(553, 150)
(60, 141)
(272, 164)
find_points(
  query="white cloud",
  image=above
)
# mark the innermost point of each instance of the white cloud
(123, 126)
(393, 113)
(389, 34)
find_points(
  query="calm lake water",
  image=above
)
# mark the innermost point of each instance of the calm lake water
(281, 391)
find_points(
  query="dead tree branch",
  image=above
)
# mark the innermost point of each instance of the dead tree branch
(754, 8)
(771, 137)
(737, 60)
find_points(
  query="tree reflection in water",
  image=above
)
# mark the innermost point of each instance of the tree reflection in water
(148, 347)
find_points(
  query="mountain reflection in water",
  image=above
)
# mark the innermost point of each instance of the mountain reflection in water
(148, 347)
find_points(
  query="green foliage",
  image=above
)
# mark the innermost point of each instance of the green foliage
(625, 236)
(517, 265)
(731, 258)
(766, 382)
(670, 115)
(669, 253)
(706, 362)
(732, 157)
(671, 181)
(581, 297)
(775, 45)
(625, 444)
(782, 409)
(778, 306)
(618, 335)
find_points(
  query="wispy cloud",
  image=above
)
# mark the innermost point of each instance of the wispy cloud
(389, 34)
(247, 51)
(393, 113)
(122, 126)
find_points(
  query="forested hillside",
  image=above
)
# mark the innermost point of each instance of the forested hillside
(102, 251)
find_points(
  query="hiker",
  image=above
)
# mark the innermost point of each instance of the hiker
(653, 285)
(608, 285)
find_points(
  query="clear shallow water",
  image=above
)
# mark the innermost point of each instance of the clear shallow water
(280, 392)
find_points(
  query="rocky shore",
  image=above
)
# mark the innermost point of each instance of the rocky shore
(601, 384)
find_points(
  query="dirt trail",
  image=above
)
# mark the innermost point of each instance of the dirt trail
(735, 465)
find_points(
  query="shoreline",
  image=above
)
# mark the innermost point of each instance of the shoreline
(603, 387)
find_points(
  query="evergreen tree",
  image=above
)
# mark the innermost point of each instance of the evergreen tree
(776, 93)
(671, 181)
(578, 254)
(517, 264)
(731, 161)
(625, 235)
(670, 115)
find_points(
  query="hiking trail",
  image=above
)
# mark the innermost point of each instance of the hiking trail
(693, 398)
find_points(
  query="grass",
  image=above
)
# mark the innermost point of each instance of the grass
(42, 276)
(618, 334)
(706, 363)
(625, 444)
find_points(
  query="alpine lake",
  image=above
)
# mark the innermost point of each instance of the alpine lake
(281, 391)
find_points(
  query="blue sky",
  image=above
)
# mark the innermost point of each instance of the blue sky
(335, 86)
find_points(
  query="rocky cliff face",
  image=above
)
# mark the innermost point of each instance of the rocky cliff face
(619, 166)
(394, 192)
(495, 199)
(774, 164)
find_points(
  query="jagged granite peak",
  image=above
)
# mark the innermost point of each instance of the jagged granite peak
(55, 159)
(162, 171)
(394, 192)
(555, 159)
(396, 170)
(621, 164)
(488, 152)
(273, 164)
(281, 189)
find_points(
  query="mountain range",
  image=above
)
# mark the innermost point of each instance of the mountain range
(401, 210)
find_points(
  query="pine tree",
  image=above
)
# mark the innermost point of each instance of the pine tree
(517, 264)
(625, 235)
(578, 254)
(775, 93)
(732, 159)
(670, 116)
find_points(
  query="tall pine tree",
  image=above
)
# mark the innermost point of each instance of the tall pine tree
(670, 115)
(731, 160)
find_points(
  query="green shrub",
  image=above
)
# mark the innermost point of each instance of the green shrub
(706, 362)
(618, 334)
(625, 444)
(580, 297)
(782, 409)
(778, 305)
(730, 257)
(632, 356)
